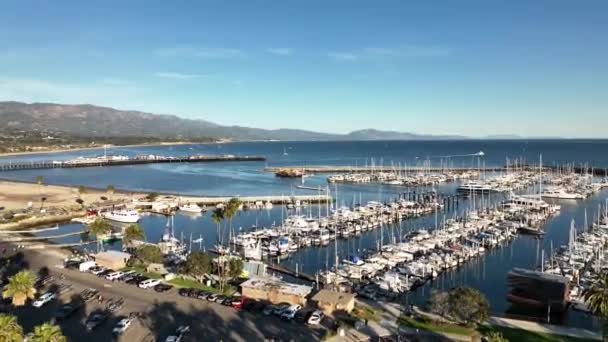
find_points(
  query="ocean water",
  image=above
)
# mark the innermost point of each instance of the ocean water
(488, 274)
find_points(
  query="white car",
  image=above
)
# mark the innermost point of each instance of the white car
(122, 326)
(97, 270)
(316, 318)
(291, 311)
(173, 338)
(146, 284)
(45, 298)
(115, 275)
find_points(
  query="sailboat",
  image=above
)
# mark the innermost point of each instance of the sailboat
(285, 152)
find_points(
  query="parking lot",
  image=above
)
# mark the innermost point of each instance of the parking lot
(156, 315)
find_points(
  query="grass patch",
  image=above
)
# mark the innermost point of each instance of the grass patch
(142, 270)
(365, 312)
(528, 336)
(190, 283)
(425, 324)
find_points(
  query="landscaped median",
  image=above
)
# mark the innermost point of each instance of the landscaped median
(193, 284)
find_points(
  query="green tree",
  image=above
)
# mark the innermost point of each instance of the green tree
(100, 228)
(152, 196)
(20, 287)
(197, 265)
(10, 330)
(149, 254)
(46, 332)
(133, 232)
(462, 304)
(439, 303)
(496, 336)
(235, 267)
(82, 190)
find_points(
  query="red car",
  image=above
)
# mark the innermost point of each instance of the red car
(238, 302)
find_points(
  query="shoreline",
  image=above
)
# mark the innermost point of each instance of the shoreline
(25, 153)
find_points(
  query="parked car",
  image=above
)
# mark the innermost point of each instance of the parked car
(136, 279)
(97, 270)
(146, 284)
(105, 272)
(66, 310)
(43, 299)
(162, 288)
(122, 326)
(269, 309)
(184, 292)
(203, 295)
(173, 338)
(213, 297)
(114, 275)
(227, 301)
(71, 264)
(237, 302)
(316, 318)
(95, 319)
(290, 312)
(278, 311)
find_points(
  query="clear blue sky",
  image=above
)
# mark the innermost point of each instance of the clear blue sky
(454, 66)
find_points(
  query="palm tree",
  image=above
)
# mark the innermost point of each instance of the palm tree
(10, 330)
(596, 297)
(20, 287)
(133, 232)
(46, 332)
(99, 228)
(217, 216)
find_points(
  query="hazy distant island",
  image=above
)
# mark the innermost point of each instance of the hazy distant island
(40, 127)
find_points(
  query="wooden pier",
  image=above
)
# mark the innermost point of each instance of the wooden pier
(66, 164)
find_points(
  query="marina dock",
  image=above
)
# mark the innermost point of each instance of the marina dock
(122, 160)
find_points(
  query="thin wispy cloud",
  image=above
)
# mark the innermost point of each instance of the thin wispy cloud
(40, 90)
(177, 75)
(343, 56)
(280, 51)
(379, 53)
(200, 52)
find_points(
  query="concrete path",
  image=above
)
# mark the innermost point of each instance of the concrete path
(545, 328)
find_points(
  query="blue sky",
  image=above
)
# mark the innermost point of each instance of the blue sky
(534, 68)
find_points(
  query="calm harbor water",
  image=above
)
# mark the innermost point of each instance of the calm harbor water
(488, 273)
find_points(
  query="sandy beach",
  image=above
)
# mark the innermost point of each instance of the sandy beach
(19, 195)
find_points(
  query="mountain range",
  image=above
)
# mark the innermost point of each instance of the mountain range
(95, 121)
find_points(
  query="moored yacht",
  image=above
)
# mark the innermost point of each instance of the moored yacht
(123, 215)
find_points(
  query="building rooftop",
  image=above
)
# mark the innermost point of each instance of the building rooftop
(273, 284)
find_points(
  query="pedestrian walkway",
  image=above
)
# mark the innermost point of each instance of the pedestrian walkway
(545, 328)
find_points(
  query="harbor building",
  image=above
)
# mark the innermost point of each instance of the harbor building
(275, 291)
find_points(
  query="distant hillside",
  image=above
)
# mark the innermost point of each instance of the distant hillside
(94, 121)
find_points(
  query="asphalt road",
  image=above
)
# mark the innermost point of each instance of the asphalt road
(160, 313)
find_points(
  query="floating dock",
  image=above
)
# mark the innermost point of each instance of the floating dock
(101, 161)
